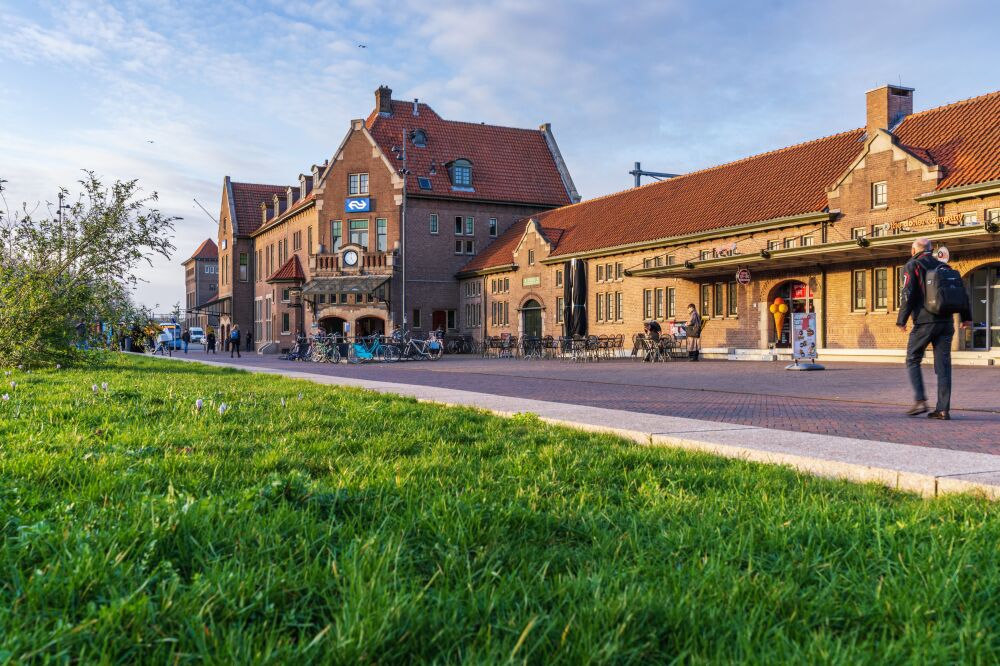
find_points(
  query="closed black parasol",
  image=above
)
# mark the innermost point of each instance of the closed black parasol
(567, 313)
(579, 298)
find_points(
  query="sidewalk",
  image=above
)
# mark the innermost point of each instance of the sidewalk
(924, 470)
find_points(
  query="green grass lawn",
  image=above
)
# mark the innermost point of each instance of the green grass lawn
(348, 527)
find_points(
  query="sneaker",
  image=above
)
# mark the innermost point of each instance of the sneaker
(940, 416)
(919, 407)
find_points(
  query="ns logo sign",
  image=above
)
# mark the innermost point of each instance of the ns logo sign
(357, 205)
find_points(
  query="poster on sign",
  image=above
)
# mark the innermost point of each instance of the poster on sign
(800, 290)
(803, 335)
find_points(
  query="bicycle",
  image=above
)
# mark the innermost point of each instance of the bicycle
(371, 349)
(459, 346)
(423, 350)
(326, 350)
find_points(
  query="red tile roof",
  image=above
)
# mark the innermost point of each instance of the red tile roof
(782, 183)
(290, 271)
(508, 164)
(207, 250)
(247, 197)
(963, 138)
(284, 214)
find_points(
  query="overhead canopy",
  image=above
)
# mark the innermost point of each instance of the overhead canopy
(345, 284)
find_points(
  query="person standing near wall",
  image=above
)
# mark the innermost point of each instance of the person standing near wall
(234, 341)
(693, 332)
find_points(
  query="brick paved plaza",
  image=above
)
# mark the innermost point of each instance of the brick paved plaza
(863, 401)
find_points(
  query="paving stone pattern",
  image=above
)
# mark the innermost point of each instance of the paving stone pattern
(864, 401)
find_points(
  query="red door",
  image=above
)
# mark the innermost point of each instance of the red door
(439, 320)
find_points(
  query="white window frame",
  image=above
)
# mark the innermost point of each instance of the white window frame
(435, 224)
(880, 194)
(494, 227)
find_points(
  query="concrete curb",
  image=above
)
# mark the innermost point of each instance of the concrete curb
(929, 472)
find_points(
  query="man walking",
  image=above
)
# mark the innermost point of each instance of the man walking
(234, 341)
(249, 340)
(186, 339)
(929, 328)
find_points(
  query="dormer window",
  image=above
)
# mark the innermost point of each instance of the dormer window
(460, 172)
(419, 138)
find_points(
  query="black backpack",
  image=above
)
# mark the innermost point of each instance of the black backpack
(944, 290)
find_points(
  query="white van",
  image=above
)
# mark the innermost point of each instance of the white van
(197, 334)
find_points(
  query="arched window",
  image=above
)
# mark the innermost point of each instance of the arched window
(419, 138)
(460, 172)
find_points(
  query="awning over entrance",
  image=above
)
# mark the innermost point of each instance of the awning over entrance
(345, 284)
(958, 239)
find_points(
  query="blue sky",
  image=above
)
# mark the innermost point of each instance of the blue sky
(262, 90)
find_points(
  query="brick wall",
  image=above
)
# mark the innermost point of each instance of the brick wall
(751, 327)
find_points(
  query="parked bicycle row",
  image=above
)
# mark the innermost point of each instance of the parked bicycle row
(401, 346)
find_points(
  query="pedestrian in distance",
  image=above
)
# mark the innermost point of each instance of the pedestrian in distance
(164, 344)
(931, 295)
(693, 332)
(186, 339)
(210, 342)
(249, 340)
(234, 341)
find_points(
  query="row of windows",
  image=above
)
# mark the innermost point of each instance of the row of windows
(500, 313)
(719, 299)
(465, 247)
(358, 233)
(608, 306)
(610, 272)
(878, 278)
(660, 260)
(500, 285)
(790, 242)
(347, 299)
(464, 226)
(660, 303)
(473, 315)
(449, 320)
(473, 288)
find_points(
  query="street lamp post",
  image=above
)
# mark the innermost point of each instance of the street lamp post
(404, 172)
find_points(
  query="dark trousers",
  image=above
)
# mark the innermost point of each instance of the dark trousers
(234, 348)
(939, 334)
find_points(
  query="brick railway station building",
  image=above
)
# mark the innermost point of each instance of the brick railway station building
(826, 225)
(406, 195)
(201, 284)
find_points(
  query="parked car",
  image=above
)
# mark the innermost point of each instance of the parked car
(197, 335)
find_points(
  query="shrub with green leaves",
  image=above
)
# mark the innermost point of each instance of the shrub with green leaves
(62, 273)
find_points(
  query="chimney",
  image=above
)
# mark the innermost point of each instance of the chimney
(383, 100)
(886, 106)
(416, 111)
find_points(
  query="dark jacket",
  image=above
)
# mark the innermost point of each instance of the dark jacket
(911, 304)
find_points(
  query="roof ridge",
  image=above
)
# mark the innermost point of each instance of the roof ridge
(703, 171)
(237, 182)
(951, 105)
